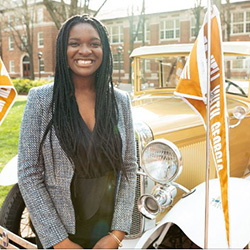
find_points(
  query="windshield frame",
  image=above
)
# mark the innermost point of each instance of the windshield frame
(136, 65)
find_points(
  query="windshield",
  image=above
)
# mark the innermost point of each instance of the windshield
(237, 76)
(164, 73)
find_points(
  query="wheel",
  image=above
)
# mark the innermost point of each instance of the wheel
(14, 215)
(175, 239)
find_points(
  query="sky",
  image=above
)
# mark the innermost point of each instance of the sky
(152, 6)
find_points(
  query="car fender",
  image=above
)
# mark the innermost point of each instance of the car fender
(8, 175)
(189, 215)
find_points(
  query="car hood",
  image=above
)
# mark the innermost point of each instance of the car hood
(169, 113)
(164, 114)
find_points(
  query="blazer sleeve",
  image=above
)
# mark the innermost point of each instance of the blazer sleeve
(43, 214)
(125, 197)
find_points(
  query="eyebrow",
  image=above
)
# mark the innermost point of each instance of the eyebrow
(77, 39)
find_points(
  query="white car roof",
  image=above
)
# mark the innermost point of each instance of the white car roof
(230, 48)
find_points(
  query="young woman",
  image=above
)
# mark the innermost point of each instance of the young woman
(77, 158)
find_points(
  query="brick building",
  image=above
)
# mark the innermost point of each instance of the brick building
(160, 28)
(16, 60)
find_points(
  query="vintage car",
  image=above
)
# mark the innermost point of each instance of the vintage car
(171, 150)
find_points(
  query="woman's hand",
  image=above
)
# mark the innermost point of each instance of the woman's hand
(67, 244)
(108, 242)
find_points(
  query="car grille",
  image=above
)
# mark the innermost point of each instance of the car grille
(136, 228)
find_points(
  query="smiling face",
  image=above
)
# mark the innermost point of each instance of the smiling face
(84, 51)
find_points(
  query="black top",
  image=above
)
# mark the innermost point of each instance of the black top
(93, 201)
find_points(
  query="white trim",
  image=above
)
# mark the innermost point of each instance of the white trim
(11, 43)
(145, 33)
(40, 63)
(21, 63)
(244, 22)
(188, 96)
(164, 20)
(39, 12)
(10, 66)
(237, 48)
(191, 27)
(39, 40)
(120, 33)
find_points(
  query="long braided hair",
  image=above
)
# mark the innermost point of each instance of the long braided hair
(84, 149)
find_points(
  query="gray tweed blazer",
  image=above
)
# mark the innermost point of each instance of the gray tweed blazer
(46, 187)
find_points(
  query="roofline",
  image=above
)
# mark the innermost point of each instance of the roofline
(146, 14)
(166, 12)
(229, 48)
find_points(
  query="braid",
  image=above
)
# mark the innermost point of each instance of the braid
(79, 146)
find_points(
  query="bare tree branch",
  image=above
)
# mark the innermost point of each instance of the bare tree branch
(61, 11)
(53, 13)
(22, 31)
(100, 8)
(197, 14)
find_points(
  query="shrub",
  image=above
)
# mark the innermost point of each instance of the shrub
(23, 86)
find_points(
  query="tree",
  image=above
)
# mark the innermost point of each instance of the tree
(20, 26)
(228, 32)
(134, 31)
(61, 11)
(197, 15)
(226, 22)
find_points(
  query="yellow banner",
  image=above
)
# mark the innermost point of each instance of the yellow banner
(193, 87)
(7, 92)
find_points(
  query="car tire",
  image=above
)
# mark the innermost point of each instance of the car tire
(12, 209)
(12, 213)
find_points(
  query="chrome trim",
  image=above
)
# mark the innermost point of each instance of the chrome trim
(161, 197)
(178, 155)
(239, 113)
(164, 195)
(141, 173)
(143, 207)
(182, 188)
(143, 134)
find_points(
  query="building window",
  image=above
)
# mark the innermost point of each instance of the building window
(238, 64)
(17, 20)
(10, 20)
(24, 42)
(240, 22)
(169, 29)
(140, 33)
(248, 21)
(11, 43)
(41, 65)
(116, 62)
(23, 19)
(40, 15)
(32, 15)
(192, 27)
(40, 39)
(116, 34)
(12, 66)
(147, 65)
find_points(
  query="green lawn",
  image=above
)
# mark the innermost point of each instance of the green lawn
(9, 134)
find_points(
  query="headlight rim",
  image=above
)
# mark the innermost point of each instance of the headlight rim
(178, 155)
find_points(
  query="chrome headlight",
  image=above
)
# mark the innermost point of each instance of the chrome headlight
(162, 161)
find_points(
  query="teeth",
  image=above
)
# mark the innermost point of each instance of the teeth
(84, 62)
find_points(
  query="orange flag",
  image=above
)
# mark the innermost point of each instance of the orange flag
(179, 69)
(7, 92)
(193, 88)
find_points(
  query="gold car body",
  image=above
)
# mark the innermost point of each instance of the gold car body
(169, 117)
